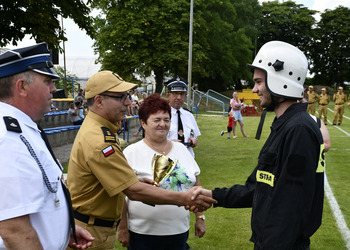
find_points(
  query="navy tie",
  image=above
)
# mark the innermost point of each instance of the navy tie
(180, 133)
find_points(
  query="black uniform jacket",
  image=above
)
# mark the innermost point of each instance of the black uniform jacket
(285, 190)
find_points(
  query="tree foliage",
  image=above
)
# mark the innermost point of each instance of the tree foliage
(144, 36)
(231, 28)
(66, 84)
(289, 22)
(40, 19)
(331, 51)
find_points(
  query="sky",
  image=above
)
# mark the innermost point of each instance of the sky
(80, 57)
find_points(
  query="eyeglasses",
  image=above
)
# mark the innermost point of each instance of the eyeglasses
(179, 93)
(121, 97)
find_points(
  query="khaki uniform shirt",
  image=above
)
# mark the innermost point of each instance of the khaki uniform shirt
(312, 97)
(98, 171)
(323, 99)
(339, 99)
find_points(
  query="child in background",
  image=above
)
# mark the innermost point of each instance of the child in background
(229, 125)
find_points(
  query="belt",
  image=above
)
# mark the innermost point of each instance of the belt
(97, 222)
(339, 103)
(311, 102)
(323, 104)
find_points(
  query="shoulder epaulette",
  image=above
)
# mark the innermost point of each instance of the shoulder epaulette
(188, 110)
(109, 136)
(12, 124)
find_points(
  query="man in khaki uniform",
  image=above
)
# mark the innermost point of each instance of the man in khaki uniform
(98, 173)
(312, 97)
(323, 102)
(339, 100)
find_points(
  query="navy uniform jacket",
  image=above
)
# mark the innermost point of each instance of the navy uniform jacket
(286, 188)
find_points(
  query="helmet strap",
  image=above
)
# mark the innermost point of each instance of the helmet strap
(270, 108)
(261, 124)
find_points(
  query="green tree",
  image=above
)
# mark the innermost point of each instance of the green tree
(331, 51)
(40, 19)
(289, 22)
(66, 84)
(229, 44)
(142, 36)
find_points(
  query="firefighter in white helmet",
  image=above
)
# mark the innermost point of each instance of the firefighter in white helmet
(285, 189)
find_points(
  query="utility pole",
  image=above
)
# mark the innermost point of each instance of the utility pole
(189, 73)
(64, 64)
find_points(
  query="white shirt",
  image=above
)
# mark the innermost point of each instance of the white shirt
(135, 98)
(188, 123)
(23, 191)
(161, 219)
(73, 118)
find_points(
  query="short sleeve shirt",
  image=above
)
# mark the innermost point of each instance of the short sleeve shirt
(188, 123)
(23, 190)
(98, 171)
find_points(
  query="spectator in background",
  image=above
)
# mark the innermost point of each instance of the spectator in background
(339, 100)
(231, 119)
(134, 103)
(82, 110)
(144, 96)
(312, 98)
(183, 126)
(80, 94)
(73, 113)
(323, 102)
(236, 107)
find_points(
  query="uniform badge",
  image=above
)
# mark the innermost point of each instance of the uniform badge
(108, 151)
(12, 124)
(109, 136)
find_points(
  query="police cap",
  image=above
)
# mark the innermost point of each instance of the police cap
(176, 84)
(35, 58)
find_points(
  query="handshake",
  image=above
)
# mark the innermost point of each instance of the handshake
(198, 199)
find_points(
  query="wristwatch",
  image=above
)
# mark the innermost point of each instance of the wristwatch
(200, 217)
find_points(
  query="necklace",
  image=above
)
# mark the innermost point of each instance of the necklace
(163, 150)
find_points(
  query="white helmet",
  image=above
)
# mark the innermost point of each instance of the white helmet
(285, 67)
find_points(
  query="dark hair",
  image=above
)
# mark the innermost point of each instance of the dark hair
(152, 105)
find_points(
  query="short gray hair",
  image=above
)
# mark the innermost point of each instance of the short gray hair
(7, 83)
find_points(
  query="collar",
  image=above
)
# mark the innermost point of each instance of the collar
(104, 122)
(18, 114)
(292, 110)
(174, 110)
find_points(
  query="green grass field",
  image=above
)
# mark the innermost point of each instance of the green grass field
(226, 162)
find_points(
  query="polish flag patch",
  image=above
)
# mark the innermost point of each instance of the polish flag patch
(108, 151)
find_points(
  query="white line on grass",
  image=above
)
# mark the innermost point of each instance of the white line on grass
(343, 115)
(342, 130)
(337, 127)
(344, 230)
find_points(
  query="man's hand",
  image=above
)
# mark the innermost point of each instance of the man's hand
(198, 200)
(84, 238)
(123, 234)
(193, 142)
